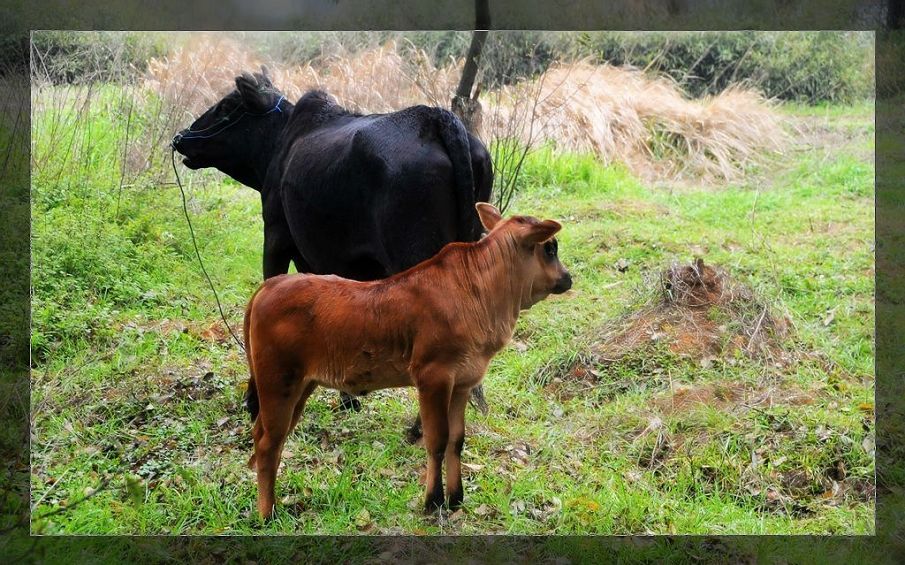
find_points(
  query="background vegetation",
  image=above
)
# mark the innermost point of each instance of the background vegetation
(136, 400)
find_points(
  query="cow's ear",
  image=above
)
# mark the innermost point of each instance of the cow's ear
(265, 76)
(256, 98)
(539, 233)
(488, 214)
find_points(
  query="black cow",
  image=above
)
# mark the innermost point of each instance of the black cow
(359, 196)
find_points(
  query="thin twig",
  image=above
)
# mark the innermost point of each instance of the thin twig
(756, 329)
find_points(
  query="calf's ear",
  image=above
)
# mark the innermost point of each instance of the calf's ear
(488, 214)
(542, 232)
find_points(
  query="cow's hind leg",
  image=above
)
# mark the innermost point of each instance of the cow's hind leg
(278, 410)
(349, 402)
(414, 432)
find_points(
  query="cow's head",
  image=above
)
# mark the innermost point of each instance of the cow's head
(535, 261)
(236, 134)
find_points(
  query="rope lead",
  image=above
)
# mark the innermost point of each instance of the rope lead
(185, 211)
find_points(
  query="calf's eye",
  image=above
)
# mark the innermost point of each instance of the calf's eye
(550, 249)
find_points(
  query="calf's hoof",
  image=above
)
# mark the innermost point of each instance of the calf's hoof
(433, 505)
(349, 402)
(455, 500)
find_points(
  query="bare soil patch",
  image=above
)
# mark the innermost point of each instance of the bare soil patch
(697, 312)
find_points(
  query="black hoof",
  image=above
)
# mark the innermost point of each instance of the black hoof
(413, 434)
(455, 500)
(478, 401)
(433, 505)
(349, 402)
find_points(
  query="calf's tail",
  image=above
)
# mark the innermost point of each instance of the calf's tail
(251, 394)
(455, 138)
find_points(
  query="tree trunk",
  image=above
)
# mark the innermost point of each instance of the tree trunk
(464, 105)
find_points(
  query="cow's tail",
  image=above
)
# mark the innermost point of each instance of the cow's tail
(455, 137)
(251, 394)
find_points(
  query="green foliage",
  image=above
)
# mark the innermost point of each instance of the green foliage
(802, 66)
(80, 57)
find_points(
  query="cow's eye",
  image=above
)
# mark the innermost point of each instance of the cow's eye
(550, 249)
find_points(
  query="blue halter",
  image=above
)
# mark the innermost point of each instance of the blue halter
(179, 137)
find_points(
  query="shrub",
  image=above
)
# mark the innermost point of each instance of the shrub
(803, 66)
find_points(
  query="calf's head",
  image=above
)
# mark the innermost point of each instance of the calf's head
(236, 134)
(535, 253)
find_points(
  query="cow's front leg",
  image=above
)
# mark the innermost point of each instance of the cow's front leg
(433, 399)
(278, 252)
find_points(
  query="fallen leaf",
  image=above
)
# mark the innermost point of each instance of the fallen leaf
(482, 510)
(472, 466)
(866, 407)
(363, 518)
(222, 421)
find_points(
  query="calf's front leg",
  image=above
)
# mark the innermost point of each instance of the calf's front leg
(433, 401)
(454, 444)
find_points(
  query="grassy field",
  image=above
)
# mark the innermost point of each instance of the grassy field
(138, 426)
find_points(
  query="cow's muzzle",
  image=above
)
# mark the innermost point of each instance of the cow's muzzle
(563, 284)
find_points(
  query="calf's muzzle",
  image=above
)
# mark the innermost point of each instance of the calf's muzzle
(563, 284)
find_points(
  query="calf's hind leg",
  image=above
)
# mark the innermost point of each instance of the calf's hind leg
(279, 414)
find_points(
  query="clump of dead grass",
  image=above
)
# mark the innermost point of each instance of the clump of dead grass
(622, 114)
(697, 311)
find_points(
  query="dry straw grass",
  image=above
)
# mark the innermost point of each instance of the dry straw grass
(382, 79)
(625, 115)
(620, 114)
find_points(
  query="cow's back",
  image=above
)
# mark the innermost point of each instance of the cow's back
(368, 196)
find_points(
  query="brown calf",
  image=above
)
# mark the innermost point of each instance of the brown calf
(435, 326)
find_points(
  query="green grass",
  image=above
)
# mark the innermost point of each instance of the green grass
(136, 388)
